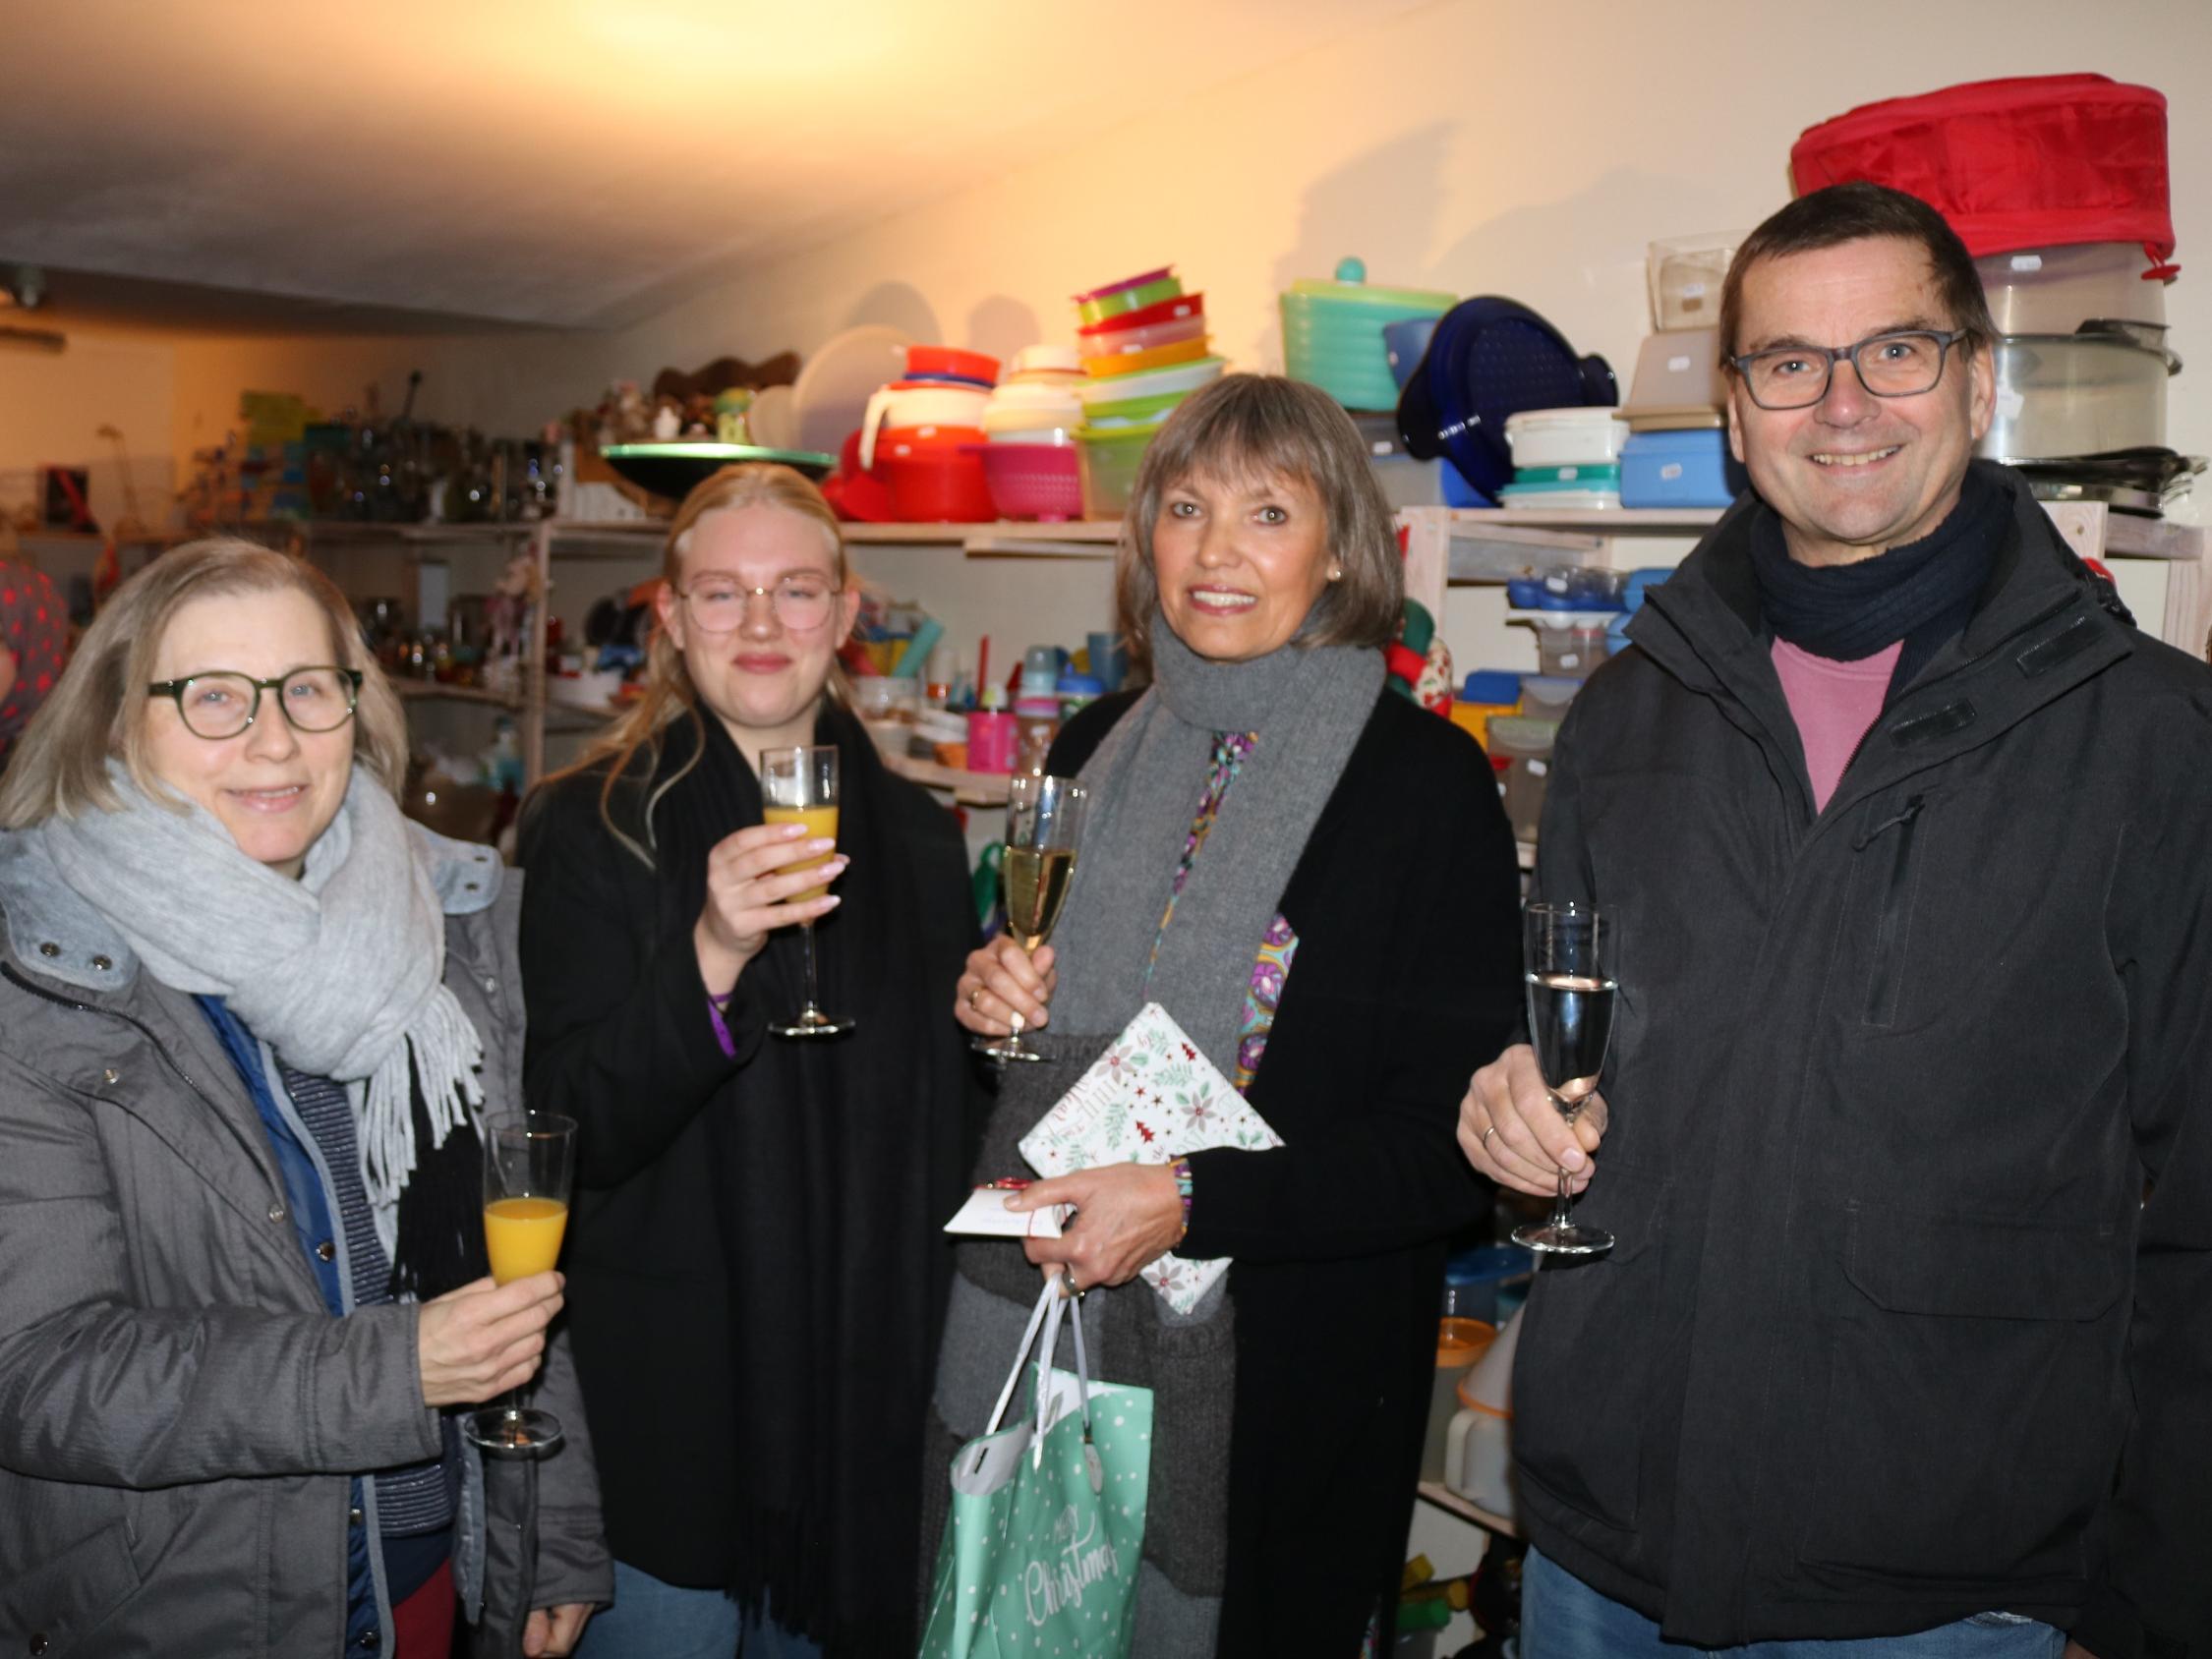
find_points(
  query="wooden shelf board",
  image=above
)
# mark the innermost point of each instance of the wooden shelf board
(969, 788)
(1563, 618)
(1444, 1497)
(426, 690)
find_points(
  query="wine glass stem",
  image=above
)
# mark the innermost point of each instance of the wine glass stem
(1566, 1108)
(806, 931)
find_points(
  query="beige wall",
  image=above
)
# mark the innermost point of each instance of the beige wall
(51, 410)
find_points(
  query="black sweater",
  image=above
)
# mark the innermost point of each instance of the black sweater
(701, 1174)
(1406, 902)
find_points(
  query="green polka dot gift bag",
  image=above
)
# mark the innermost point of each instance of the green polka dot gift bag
(1040, 1558)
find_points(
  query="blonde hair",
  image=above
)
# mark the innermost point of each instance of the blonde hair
(670, 692)
(97, 709)
(1246, 426)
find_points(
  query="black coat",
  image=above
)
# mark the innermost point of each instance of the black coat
(714, 1187)
(1405, 902)
(1888, 1338)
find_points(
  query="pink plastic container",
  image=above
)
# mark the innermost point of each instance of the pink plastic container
(1121, 342)
(1034, 481)
(991, 737)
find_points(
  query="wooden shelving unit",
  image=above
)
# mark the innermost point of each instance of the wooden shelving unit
(1444, 1497)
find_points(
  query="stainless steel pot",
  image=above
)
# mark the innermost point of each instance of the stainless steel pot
(2076, 394)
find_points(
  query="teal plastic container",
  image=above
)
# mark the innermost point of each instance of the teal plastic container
(1332, 334)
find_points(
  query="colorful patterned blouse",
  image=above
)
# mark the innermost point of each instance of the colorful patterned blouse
(1271, 968)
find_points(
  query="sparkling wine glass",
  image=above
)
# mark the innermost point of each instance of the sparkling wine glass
(800, 786)
(1571, 989)
(1044, 820)
(529, 1159)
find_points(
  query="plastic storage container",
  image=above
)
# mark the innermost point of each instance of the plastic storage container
(1549, 498)
(2076, 394)
(1460, 1342)
(1680, 371)
(2056, 290)
(1145, 337)
(1544, 697)
(1332, 334)
(1566, 437)
(1131, 294)
(1680, 470)
(1685, 273)
(1525, 746)
(1572, 652)
(1405, 482)
(1034, 481)
(1109, 462)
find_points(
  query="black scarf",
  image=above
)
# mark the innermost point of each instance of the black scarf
(1923, 593)
(837, 1161)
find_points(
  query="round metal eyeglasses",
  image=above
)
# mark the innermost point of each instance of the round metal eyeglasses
(1904, 363)
(222, 704)
(716, 607)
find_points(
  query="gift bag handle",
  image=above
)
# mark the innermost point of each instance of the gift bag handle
(1051, 1307)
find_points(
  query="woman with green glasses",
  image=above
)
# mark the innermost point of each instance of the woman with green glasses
(756, 1275)
(252, 1025)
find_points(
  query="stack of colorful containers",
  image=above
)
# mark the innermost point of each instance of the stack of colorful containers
(1332, 334)
(1143, 346)
(1565, 459)
(1029, 427)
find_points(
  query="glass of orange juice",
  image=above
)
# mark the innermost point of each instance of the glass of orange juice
(529, 1162)
(800, 786)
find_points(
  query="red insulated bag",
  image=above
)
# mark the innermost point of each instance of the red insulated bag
(2041, 162)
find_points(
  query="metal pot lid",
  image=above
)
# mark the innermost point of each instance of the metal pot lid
(2147, 467)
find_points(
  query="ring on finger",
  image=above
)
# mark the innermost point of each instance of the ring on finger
(975, 996)
(1486, 1133)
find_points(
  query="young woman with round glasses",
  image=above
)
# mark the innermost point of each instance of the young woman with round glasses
(756, 1275)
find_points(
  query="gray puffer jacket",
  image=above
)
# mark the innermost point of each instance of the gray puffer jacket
(180, 1417)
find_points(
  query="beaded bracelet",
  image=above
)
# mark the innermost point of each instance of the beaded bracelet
(1182, 1168)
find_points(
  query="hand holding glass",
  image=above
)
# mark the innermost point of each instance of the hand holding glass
(1568, 972)
(529, 1160)
(800, 786)
(1044, 821)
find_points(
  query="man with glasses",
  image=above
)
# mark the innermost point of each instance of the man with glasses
(1905, 1347)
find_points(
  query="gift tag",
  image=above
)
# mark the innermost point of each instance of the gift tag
(985, 1215)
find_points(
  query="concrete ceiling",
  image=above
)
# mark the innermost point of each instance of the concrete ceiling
(559, 163)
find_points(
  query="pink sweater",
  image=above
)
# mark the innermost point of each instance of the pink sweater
(1834, 704)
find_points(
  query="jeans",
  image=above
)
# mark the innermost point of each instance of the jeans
(1562, 1618)
(651, 1619)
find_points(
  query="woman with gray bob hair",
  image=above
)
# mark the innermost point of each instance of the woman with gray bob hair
(253, 1026)
(1315, 877)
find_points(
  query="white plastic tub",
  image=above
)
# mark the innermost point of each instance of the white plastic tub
(1565, 437)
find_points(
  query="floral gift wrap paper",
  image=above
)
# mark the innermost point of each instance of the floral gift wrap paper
(1151, 1098)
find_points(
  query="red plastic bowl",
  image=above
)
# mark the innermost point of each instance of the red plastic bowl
(951, 360)
(1034, 481)
(1165, 311)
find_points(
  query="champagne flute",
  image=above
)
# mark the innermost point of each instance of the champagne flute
(800, 786)
(529, 1160)
(1571, 991)
(1044, 820)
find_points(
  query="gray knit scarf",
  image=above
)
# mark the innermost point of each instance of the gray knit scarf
(340, 972)
(1309, 706)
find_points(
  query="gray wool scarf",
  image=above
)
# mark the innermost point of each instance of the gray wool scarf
(341, 972)
(1308, 707)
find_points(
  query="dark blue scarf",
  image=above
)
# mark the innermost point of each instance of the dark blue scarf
(1923, 593)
